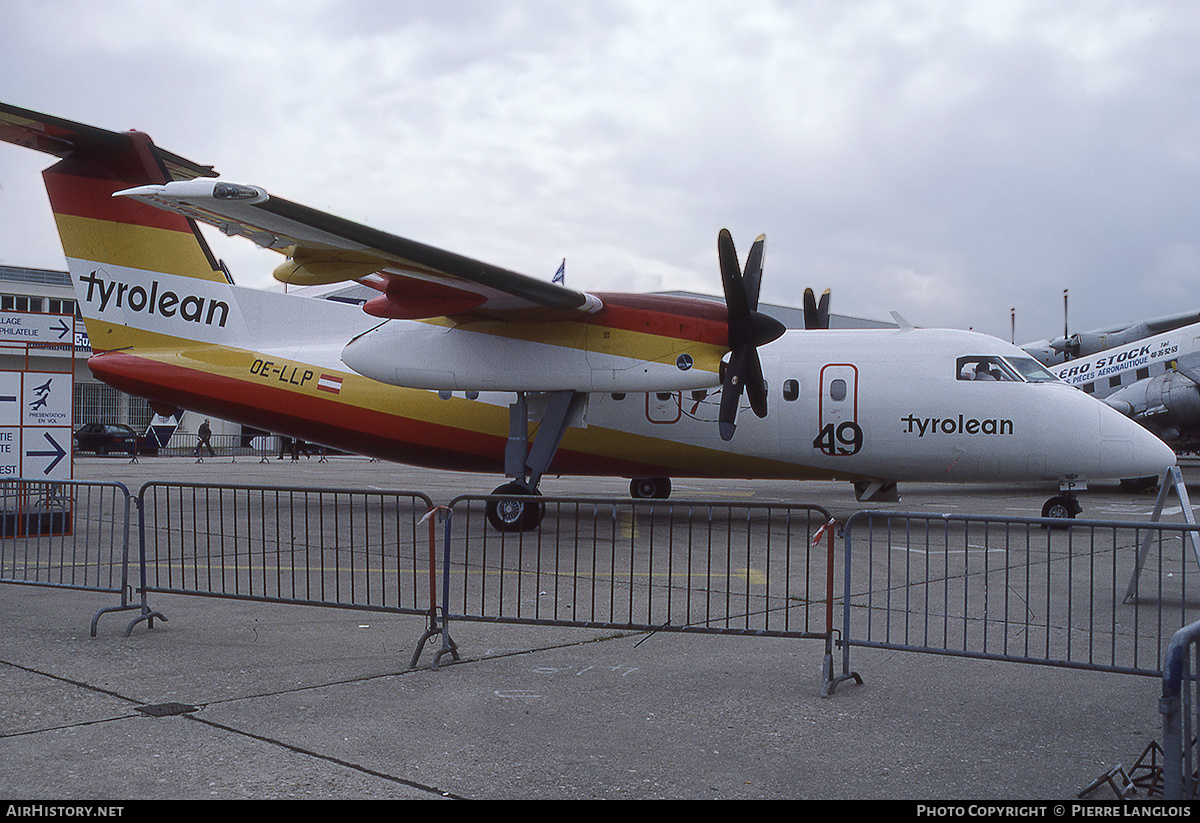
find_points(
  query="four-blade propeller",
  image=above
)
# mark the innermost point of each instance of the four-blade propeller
(748, 329)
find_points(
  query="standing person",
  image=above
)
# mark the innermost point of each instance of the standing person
(204, 434)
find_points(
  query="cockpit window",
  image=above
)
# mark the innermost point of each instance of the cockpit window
(986, 367)
(1032, 370)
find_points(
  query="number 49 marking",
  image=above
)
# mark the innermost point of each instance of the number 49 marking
(840, 439)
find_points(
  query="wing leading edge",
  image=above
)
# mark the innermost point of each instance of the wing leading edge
(416, 280)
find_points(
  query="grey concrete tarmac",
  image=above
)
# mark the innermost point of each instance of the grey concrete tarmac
(309, 703)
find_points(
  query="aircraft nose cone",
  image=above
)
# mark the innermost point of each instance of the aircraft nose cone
(1128, 450)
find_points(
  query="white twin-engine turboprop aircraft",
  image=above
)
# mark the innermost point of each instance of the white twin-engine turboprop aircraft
(463, 365)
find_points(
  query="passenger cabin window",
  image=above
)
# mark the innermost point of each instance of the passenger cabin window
(837, 390)
(791, 389)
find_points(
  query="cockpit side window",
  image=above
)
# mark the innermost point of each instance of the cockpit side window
(1032, 370)
(985, 367)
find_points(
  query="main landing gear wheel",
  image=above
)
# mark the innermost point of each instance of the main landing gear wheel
(516, 513)
(650, 488)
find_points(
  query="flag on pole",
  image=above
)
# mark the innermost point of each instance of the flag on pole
(560, 276)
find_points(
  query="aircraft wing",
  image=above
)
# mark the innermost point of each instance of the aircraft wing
(416, 280)
(1189, 366)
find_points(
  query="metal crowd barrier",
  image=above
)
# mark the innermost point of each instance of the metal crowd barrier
(1098, 595)
(262, 447)
(642, 565)
(67, 534)
(344, 548)
(1179, 703)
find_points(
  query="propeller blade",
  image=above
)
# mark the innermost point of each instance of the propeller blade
(752, 276)
(731, 393)
(748, 329)
(816, 315)
(736, 303)
(810, 309)
(756, 390)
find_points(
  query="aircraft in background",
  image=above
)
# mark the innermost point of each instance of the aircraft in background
(1153, 380)
(1062, 349)
(462, 365)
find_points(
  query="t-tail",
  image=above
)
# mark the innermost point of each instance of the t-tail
(164, 319)
(137, 270)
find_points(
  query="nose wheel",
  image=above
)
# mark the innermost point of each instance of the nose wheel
(1061, 507)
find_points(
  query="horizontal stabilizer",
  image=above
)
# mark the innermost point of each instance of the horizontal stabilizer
(54, 135)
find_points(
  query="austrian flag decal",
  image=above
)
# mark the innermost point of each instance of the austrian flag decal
(330, 383)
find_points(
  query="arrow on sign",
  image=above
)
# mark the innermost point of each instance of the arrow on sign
(63, 329)
(58, 454)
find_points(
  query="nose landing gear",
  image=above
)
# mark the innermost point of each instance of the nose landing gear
(1065, 504)
(1062, 506)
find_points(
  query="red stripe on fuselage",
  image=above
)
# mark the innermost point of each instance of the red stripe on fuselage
(336, 424)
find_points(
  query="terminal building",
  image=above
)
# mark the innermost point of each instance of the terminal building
(49, 292)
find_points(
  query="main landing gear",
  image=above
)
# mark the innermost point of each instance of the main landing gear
(650, 488)
(520, 511)
(516, 508)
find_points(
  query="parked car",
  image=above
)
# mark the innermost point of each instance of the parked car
(103, 438)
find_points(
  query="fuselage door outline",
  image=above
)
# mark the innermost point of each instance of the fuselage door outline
(839, 433)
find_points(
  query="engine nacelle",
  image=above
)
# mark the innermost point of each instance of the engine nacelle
(576, 357)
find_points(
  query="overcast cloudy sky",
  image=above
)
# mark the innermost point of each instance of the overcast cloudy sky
(949, 160)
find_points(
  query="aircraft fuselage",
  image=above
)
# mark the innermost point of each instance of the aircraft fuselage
(854, 405)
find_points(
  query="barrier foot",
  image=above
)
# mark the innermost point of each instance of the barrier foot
(830, 682)
(110, 610)
(448, 645)
(148, 616)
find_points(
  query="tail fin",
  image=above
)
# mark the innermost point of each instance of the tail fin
(114, 245)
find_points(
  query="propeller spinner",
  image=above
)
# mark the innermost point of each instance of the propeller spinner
(748, 329)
